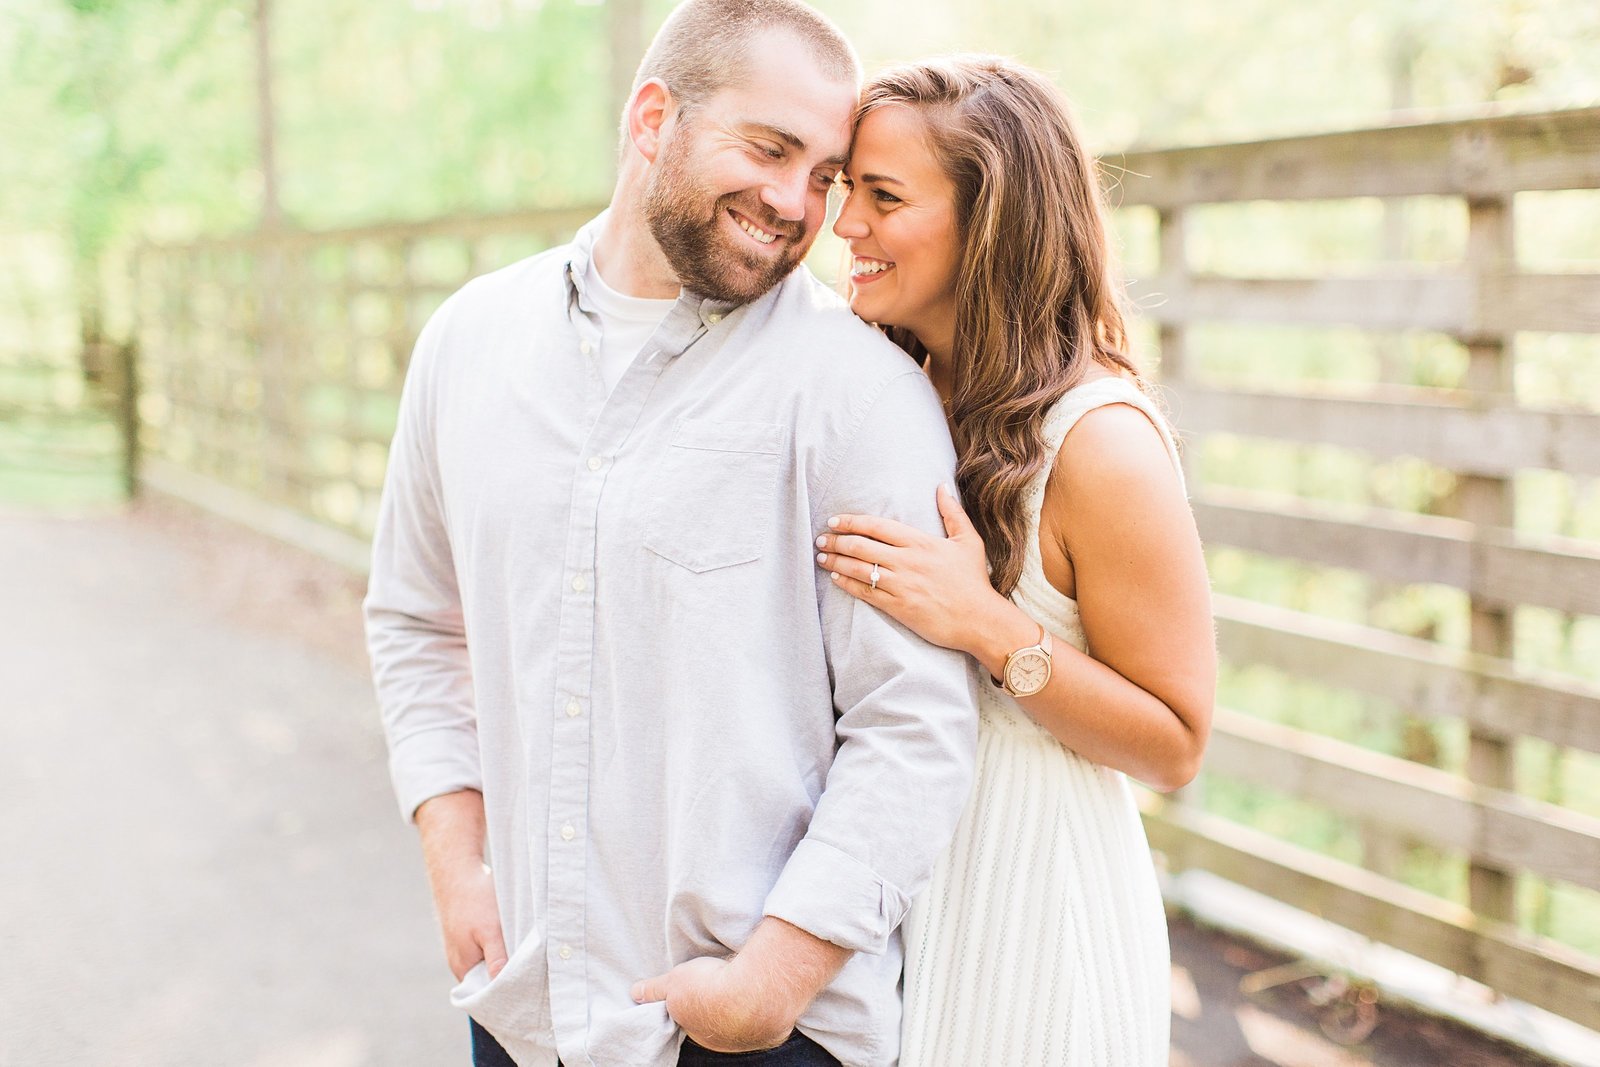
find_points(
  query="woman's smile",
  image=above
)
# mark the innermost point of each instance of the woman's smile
(899, 220)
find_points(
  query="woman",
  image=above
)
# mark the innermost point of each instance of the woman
(978, 240)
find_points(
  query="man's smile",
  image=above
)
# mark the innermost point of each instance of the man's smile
(755, 233)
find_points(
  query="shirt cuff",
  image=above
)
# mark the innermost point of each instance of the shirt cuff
(432, 763)
(832, 895)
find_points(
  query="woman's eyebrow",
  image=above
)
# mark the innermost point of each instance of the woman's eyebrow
(882, 179)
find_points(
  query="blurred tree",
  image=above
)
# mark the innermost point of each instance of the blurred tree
(266, 118)
(85, 85)
(138, 116)
(389, 112)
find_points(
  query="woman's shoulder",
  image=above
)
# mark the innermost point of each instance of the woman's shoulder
(1109, 437)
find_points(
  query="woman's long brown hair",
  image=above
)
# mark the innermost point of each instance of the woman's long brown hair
(1037, 296)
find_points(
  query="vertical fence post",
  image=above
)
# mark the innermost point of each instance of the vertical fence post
(1173, 271)
(128, 413)
(276, 464)
(1489, 502)
(1172, 339)
(1173, 333)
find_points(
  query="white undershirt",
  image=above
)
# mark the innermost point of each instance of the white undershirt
(626, 323)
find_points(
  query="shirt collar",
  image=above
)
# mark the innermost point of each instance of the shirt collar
(706, 311)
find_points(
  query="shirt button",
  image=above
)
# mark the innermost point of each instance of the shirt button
(586, 348)
(579, 584)
(714, 318)
(572, 709)
(566, 952)
(595, 463)
(567, 832)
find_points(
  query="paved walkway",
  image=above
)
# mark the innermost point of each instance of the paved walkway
(200, 858)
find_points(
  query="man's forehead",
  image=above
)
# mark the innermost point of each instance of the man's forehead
(783, 88)
(802, 121)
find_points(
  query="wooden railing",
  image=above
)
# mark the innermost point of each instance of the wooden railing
(1481, 437)
(272, 365)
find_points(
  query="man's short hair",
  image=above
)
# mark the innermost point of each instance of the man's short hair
(704, 46)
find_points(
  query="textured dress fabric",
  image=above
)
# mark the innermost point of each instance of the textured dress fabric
(1041, 939)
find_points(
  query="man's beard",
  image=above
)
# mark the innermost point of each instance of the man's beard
(707, 260)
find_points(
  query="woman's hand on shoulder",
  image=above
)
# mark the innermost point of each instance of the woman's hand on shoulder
(937, 586)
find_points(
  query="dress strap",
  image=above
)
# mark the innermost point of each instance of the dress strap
(1058, 422)
(1078, 402)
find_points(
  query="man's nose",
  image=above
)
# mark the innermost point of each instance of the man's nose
(787, 196)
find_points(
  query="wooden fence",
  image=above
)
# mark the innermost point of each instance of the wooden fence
(272, 365)
(1483, 438)
(67, 402)
(60, 422)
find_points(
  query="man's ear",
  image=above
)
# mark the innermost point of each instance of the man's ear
(649, 110)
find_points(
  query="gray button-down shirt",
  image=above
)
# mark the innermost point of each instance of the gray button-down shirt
(602, 611)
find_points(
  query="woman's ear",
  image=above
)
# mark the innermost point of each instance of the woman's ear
(649, 109)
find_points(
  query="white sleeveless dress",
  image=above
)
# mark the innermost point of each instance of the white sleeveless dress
(1041, 940)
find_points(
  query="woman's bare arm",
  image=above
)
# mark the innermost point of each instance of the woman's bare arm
(1141, 700)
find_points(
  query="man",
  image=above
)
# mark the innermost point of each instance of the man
(708, 781)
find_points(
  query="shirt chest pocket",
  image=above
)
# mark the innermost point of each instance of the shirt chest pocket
(714, 493)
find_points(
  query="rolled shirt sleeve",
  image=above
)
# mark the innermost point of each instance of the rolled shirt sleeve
(906, 709)
(416, 632)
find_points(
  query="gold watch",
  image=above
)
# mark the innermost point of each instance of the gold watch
(1027, 670)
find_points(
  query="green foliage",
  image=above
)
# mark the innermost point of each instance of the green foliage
(141, 114)
(128, 109)
(389, 112)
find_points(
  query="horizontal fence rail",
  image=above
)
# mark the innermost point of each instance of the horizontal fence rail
(1476, 158)
(1494, 565)
(1494, 953)
(1456, 304)
(1488, 436)
(1491, 695)
(1469, 542)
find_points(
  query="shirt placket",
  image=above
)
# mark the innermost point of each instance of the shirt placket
(567, 829)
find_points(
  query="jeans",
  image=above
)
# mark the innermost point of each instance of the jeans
(798, 1051)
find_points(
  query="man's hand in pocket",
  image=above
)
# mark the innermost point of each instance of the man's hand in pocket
(452, 829)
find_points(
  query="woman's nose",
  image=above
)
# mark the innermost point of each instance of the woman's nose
(849, 224)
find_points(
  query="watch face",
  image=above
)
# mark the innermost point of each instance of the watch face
(1028, 673)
